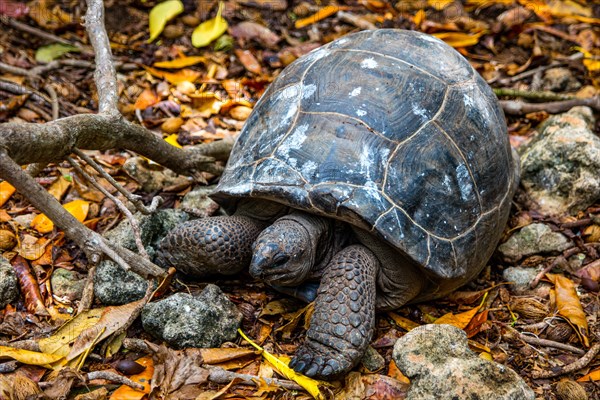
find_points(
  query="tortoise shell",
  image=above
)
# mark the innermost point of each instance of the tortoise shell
(393, 132)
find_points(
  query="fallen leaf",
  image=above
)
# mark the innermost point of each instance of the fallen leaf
(248, 61)
(177, 371)
(459, 39)
(210, 30)
(13, 9)
(51, 52)
(172, 140)
(59, 187)
(49, 15)
(402, 322)
(372, 386)
(220, 355)
(77, 208)
(175, 77)
(146, 99)
(249, 30)
(28, 357)
(181, 62)
(592, 376)
(29, 286)
(144, 378)
(590, 271)
(569, 306)
(316, 17)
(59, 343)
(311, 385)
(476, 323)
(161, 14)
(6, 190)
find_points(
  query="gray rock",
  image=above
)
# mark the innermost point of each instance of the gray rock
(520, 278)
(112, 284)
(197, 202)
(372, 360)
(151, 177)
(9, 288)
(559, 167)
(67, 284)
(183, 320)
(560, 80)
(440, 366)
(533, 239)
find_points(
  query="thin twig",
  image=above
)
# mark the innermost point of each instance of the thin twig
(135, 227)
(574, 366)
(221, 376)
(18, 89)
(532, 94)
(527, 74)
(105, 74)
(54, 99)
(87, 297)
(134, 199)
(43, 34)
(114, 377)
(518, 107)
(549, 343)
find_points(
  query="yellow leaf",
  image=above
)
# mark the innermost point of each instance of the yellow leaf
(459, 39)
(180, 62)
(59, 188)
(569, 306)
(77, 208)
(402, 322)
(146, 99)
(311, 385)
(440, 4)
(209, 30)
(6, 190)
(176, 77)
(161, 14)
(29, 357)
(172, 140)
(319, 15)
(59, 343)
(591, 65)
(419, 17)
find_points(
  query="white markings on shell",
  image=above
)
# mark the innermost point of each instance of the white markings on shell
(293, 142)
(420, 111)
(309, 168)
(309, 90)
(464, 182)
(290, 96)
(316, 54)
(361, 113)
(369, 63)
(355, 92)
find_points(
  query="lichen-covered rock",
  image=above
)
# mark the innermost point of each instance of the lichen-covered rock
(67, 284)
(440, 366)
(9, 289)
(533, 239)
(560, 80)
(182, 320)
(520, 278)
(197, 202)
(372, 360)
(151, 177)
(559, 167)
(112, 284)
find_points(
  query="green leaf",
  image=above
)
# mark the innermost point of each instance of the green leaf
(210, 30)
(51, 52)
(161, 14)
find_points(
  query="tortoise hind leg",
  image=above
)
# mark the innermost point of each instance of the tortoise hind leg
(343, 322)
(215, 245)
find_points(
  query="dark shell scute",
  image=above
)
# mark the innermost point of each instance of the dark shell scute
(439, 194)
(414, 49)
(388, 97)
(470, 125)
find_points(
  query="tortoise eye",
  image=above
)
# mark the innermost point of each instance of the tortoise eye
(280, 259)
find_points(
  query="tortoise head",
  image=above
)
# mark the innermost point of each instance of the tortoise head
(283, 254)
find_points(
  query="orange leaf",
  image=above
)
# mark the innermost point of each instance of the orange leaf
(569, 306)
(475, 324)
(316, 17)
(459, 320)
(59, 187)
(459, 39)
(77, 208)
(248, 61)
(125, 392)
(175, 77)
(394, 372)
(402, 322)
(592, 376)
(29, 286)
(219, 355)
(146, 99)
(180, 62)
(6, 190)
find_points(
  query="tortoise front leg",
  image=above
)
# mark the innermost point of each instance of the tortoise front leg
(215, 245)
(343, 322)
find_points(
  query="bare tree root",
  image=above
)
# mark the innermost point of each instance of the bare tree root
(30, 143)
(518, 107)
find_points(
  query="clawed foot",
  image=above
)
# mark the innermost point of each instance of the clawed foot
(321, 362)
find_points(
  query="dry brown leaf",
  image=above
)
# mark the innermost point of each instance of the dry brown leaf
(377, 386)
(29, 286)
(476, 324)
(402, 322)
(219, 355)
(569, 306)
(249, 30)
(146, 99)
(591, 233)
(175, 370)
(59, 187)
(248, 61)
